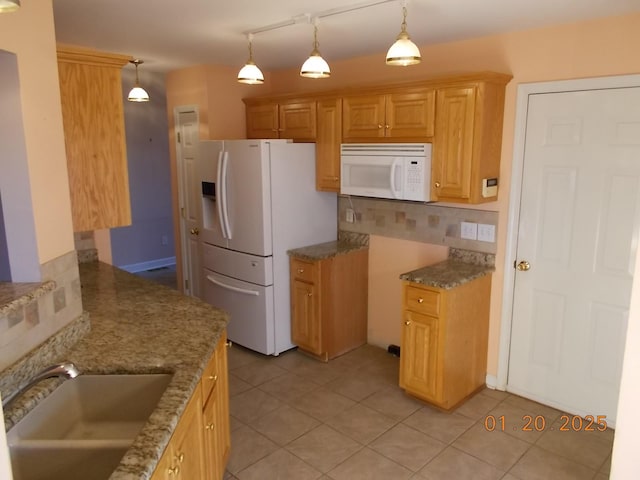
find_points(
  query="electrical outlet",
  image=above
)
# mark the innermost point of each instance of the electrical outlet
(468, 230)
(486, 233)
(350, 214)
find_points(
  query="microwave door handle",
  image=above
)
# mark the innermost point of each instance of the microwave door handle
(392, 177)
(219, 200)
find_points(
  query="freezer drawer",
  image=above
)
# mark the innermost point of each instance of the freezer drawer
(249, 268)
(250, 308)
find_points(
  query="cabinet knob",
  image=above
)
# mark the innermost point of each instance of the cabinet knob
(379, 125)
(213, 378)
(180, 457)
(209, 426)
(407, 323)
(420, 300)
(335, 179)
(437, 184)
(309, 294)
(173, 470)
(301, 270)
(387, 127)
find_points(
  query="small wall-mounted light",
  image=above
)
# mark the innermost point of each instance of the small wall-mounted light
(9, 5)
(137, 93)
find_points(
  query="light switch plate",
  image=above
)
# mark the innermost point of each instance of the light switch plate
(350, 215)
(486, 233)
(468, 230)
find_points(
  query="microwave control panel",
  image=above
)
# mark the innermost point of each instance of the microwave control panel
(414, 179)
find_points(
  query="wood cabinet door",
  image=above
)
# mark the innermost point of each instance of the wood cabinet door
(211, 444)
(328, 140)
(411, 115)
(187, 441)
(419, 358)
(298, 120)
(453, 143)
(222, 407)
(363, 117)
(262, 121)
(305, 323)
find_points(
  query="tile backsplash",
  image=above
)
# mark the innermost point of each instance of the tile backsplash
(419, 222)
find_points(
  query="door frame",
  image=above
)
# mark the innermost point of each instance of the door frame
(180, 184)
(513, 219)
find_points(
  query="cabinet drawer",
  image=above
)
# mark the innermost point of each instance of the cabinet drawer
(422, 301)
(302, 270)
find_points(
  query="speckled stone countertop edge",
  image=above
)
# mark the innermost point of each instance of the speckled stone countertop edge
(139, 327)
(17, 295)
(325, 250)
(447, 274)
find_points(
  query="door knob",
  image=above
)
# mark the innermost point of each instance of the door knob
(195, 231)
(523, 266)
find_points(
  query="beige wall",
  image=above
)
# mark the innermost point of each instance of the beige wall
(587, 49)
(29, 33)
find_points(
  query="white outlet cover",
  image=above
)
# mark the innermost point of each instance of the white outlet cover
(468, 230)
(486, 233)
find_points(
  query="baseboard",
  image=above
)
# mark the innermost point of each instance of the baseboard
(492, 382)
(149, 265)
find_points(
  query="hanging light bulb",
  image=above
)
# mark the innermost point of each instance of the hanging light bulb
(250, 73)
(137, 93)
(403, 52)
(315, 66)
(9, 5)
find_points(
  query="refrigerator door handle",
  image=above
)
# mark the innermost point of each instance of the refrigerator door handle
(392, 178)
(225, 200)
(219, 181)
(232, 288)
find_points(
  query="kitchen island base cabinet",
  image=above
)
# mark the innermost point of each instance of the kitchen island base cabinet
(200, 444)
(329, 304)
(444, 341)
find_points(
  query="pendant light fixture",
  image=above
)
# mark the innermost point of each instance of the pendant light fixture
(9, 5)
(315, 66)
(403, 52)
(137, 93)
(250, 73)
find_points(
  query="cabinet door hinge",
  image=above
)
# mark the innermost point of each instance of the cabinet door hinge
(186, 284)
(179, 138)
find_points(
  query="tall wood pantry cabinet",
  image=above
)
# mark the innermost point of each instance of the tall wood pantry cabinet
(443, 353)
(93, 121)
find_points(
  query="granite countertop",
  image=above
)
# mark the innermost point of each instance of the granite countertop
(141, 327)
(461, 267)
(325, 250)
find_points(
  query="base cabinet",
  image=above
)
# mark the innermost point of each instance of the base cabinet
(443, 356)
(200, 444)
(329, 303)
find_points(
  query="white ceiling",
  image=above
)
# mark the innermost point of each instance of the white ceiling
(169, 34)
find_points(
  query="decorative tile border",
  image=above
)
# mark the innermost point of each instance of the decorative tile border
(419, 222)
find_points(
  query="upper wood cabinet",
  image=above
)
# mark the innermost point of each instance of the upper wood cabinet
(467, 142)
(328, 140)
(93, 119)
(407, 115)
(294, 119)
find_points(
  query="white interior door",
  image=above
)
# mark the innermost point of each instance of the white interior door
(189, 198)
(578, 231)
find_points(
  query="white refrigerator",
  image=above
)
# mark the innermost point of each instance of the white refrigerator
(259, 200)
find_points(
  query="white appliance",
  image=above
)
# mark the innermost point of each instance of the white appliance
(259, 200)
(400, 171)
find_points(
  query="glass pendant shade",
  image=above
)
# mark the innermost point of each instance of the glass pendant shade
(315, 66)
(9, 5)
(403, 52)
(250, 73)
(137, 93)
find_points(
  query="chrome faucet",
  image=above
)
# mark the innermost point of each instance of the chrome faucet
(62, 370)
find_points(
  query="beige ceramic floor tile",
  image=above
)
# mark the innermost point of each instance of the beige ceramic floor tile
(258, 372)
(323, 448)
(497, 394)
(252, 404)
(361, 423)
(538, 464)
(288, 387)
(517, 422)
(496, 448)
(453, 464)
(606, 467)
(408, 447)
(280, 465)
(247, 447)
(477, 406)
(238, 356)
(237, 385)
(601, 476)
(319, 372)
(369, 465)
(234, 423)
(284, 424)
(393, 402)
(323, 404)
(357, 385)
(587, 448)
(445, 427)
(533, 408)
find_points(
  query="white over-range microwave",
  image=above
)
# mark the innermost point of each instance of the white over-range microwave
(400, 171)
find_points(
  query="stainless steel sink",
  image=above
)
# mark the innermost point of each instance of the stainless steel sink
(84, 427)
